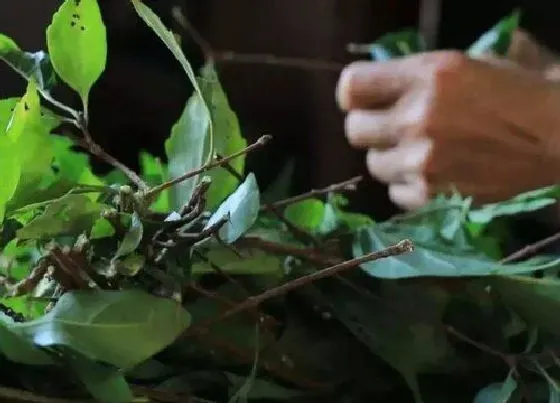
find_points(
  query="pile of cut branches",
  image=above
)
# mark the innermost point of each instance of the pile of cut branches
(182, 283)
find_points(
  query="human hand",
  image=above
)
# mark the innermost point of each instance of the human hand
(436, 121)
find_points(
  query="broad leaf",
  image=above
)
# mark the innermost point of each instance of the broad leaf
(77, 45)
(18, 349)
(31, 66)
(120, 328)
(307, 214)
(242, 209)
(432, 257)
(185, 149)
(227, 138)
(72, 214)
(498, 39)
(105, 383)
(537, 301)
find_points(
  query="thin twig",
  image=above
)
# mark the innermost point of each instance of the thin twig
(223, 57)
(95, 149)
(400, 248)
(531, 248)
(213, 164)
(347, 185)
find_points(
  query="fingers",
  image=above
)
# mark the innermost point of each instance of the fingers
(399, 164)
(370, 128)
(410, 196)
(364, 85)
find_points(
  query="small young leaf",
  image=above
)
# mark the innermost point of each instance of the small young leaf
(105, 383)
(307, 214)
(132, 238)
(31, 66)
(523, 203)
(393, 45)
(242, 207)
(498, 39)
(154, 173)
(120, 328)
(77, 44)
(72, 214)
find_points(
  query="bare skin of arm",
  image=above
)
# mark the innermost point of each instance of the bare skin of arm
(440, 120)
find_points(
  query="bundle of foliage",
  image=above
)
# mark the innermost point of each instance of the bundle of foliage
(185, 283)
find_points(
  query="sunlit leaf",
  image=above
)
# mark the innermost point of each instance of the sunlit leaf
(307, 214)
(18, 349)
(77, 45)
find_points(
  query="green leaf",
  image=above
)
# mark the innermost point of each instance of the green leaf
(11, 171)
(131, 239)
(72, 214)
(536, 301)
(242, 207)
(497, 392)
(522, 203)
(31, 66)
(17, 349)
(105, 383)
(307, 214)
(32, 145)
(120, 328)
(185, 149)
(395, 45)
(253, 262)
(167, 37)
(7, 107)
(77, 44)
(432, 257)
(498, 39)
(154, 173)
(227, 138)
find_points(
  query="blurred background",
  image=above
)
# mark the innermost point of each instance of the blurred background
(144, 89)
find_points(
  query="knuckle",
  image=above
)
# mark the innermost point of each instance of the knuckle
(447, 66)
(346, 84)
